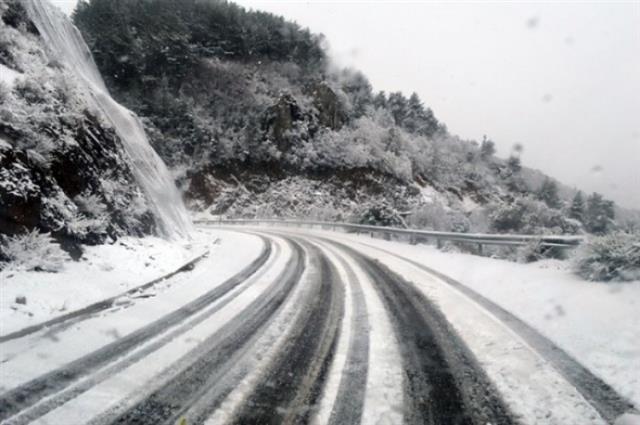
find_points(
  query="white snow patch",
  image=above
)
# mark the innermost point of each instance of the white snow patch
(4, 144)
(469, 205)
(8, 75)
(26, 358)
(430, 195)
(628, 419)
(102, 272)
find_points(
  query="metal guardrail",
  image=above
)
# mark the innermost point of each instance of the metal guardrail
(565, 242)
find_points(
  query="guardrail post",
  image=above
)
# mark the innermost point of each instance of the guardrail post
(480, 248)
(439, 243)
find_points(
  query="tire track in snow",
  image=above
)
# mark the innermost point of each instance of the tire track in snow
(247, 371)
(347, 403)
(72, 391)
(443, 382)
(292, 385)
(606, 400)
(375, 349)
(215, 356)
(32, 392)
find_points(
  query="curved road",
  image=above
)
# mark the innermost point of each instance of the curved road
(316, 330)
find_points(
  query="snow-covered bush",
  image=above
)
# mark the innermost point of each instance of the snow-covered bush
(614, 257)
(90, 204)
(31, 89)
(381, 215)
(535, 251)
(80, 226)
(529, 216)
(32, 251)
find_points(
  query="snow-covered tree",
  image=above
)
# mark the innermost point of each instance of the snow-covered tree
(548, 193)
(577, 207)
(417, 119)
(514, 164)
(397, 104)
(380, 100)
(599, 214)
(487, 148)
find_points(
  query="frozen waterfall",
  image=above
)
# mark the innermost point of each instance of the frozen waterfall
(65, 41)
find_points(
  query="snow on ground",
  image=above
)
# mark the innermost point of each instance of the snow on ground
(597, 323)
(103, 271)
(118, 389)
(8, 75)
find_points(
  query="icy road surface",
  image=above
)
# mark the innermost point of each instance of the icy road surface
(294, 326)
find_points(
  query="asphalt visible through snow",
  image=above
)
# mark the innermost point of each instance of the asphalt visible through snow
(314, 330)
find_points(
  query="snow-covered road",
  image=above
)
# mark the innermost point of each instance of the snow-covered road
(297, 326)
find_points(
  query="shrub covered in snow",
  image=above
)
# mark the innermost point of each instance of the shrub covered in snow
(614, 257)
(32, 251)
(381, 215)
(530, 216)
(535, 251)
(80, 226)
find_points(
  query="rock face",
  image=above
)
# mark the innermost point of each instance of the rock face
(20, 192)
(50, 193)
(331, 112)
(62, 169)
(280, 119)
(287, 120)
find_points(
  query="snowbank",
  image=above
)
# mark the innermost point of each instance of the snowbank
(102, 272)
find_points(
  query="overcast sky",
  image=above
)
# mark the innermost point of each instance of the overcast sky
(563, 80)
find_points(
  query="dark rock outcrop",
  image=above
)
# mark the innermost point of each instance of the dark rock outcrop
(39, 194)
(331, 112)
(280, 119)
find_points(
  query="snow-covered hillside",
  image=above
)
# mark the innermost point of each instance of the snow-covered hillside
(71, 162)
(254, 119)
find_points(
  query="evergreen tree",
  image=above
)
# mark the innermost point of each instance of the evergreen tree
(577, 208)
(514, 164)
(417, 119)
(487, 148)
(380, 100)
(415, 110)
(398, 106)
(548, 193)
(599, 214)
